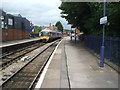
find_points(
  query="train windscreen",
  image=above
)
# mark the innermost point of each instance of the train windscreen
(44, 33)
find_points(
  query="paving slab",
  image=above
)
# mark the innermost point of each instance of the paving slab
(84, 70)
(73, 66)
(52, 76)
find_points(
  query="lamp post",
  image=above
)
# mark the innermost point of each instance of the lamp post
(102, 47)
(75, 35)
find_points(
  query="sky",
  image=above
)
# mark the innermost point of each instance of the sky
(40, 12)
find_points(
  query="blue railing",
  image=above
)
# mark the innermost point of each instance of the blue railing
(112, 47)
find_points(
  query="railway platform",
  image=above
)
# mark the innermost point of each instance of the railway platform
(73, 66)
(14, 42)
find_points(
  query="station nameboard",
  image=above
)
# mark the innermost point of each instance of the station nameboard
(103, 20)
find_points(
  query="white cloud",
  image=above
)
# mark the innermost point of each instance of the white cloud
(40, 12)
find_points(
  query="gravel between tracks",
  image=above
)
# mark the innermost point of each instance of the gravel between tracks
(7, 72)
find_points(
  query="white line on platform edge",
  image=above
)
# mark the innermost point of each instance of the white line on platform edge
(39, 83)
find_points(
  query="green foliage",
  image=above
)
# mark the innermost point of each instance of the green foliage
(66, 30)
(59, 26)
(37, 29)
(75, 13)
(113, 13)
(87, 16)
(72, 31)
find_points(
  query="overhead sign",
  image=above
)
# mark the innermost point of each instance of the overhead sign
(103, 20)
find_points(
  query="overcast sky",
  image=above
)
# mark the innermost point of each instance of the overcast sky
(40, 12)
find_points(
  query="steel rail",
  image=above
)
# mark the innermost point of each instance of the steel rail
(10, 61)
(3, 56)
(7, 49)
(18, 50)
(41, 69)
(26, 65)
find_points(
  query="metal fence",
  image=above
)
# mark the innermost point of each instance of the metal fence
(112, 47)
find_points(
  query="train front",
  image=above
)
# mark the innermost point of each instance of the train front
(44, 36)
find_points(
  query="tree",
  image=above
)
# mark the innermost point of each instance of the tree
(59, 26)
(37, 29)
(75, 13)
(87, 16)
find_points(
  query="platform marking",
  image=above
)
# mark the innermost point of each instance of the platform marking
(39, 83)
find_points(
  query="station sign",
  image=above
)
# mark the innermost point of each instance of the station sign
(103, 20)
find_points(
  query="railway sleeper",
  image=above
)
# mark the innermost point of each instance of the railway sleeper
(21, 80)
(5, 60)
(25, 76)
(29, 72)
(24, 80)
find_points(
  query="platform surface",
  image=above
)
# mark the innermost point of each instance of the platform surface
(73, 66)
(9, 43)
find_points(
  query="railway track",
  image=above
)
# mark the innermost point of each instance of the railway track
(26, 76)
(9, 58)
(8, 53)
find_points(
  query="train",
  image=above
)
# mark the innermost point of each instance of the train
(14, 27)
(47, 35)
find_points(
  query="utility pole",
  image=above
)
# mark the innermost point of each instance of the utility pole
(103, 32)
